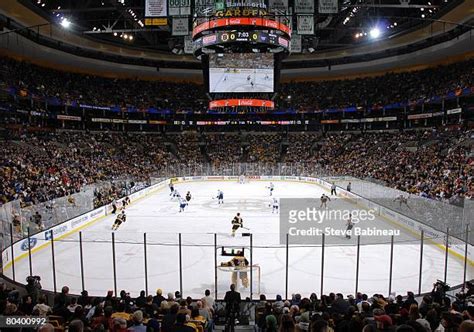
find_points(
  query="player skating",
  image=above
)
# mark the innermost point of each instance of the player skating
(121, 218)
(324, 201)
(252, 84)
(275, 205)
(237, 223)
(271, 187)
(125, 202)
(349, 225)
(402, 200)
(242, 179)
(182, 204)
(220, 197)
(188, 196)
(248, 79)
(175, 194)
(171, 186)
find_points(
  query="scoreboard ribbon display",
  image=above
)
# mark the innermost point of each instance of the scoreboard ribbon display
(241, 103)
(260, 37)
(242, 21)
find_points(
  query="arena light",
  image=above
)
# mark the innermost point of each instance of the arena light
(65, 23)
(375, 33)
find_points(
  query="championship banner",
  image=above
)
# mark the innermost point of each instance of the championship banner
(304, 6)
(305, 25)
(275, 5)
(180, 26)
(204, 8)
(295, 46)
(179, 7)
(328, 7)
(188, 45)
(156, 8)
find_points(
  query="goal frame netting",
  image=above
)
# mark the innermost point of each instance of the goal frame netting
(254, 278)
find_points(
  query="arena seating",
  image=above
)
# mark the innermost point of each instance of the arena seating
(69, 88)
(36, 168)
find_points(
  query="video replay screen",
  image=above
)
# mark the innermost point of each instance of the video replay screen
(241, 72)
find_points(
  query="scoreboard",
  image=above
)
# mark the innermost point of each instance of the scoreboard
(251, 37)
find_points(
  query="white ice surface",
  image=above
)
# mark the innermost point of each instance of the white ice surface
(158, 216)
(220, 81)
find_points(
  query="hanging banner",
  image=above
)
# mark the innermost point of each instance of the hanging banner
(179, 7)
(304, 6)
(188, 45)
(295, 46)
(328, 7)
(180, 26)
(275, 5)
(203, 8)
(156, 8)
(305, 24)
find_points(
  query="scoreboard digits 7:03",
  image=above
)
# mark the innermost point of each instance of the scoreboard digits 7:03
(247, 36)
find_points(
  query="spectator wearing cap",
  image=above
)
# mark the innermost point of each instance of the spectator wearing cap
(158, 298)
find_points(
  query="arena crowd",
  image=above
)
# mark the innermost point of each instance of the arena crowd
(70, 88)
(432, 164)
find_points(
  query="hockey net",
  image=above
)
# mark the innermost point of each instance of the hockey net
(241, 277)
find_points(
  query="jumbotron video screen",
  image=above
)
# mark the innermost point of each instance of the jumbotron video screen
(242, 72)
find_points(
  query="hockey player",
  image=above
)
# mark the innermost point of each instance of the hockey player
(220, 197)
(188, 196)
(248, 79)
(176, 194)
(252, 84)
(324, 201)
(171, 186)
(275, 205)
(237, 222)
(271, 187)
(182, 204)
(349, 225)
(402, 200)
(349, 187)
(71, 200)
(125, 202)
(121, 217)
(240, 264)
(114, 206)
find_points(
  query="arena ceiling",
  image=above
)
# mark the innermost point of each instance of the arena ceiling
(120, 22)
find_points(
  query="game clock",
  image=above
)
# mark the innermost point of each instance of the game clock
(257, 37)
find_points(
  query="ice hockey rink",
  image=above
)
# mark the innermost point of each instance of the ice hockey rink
(222, 81)
(158, 216)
